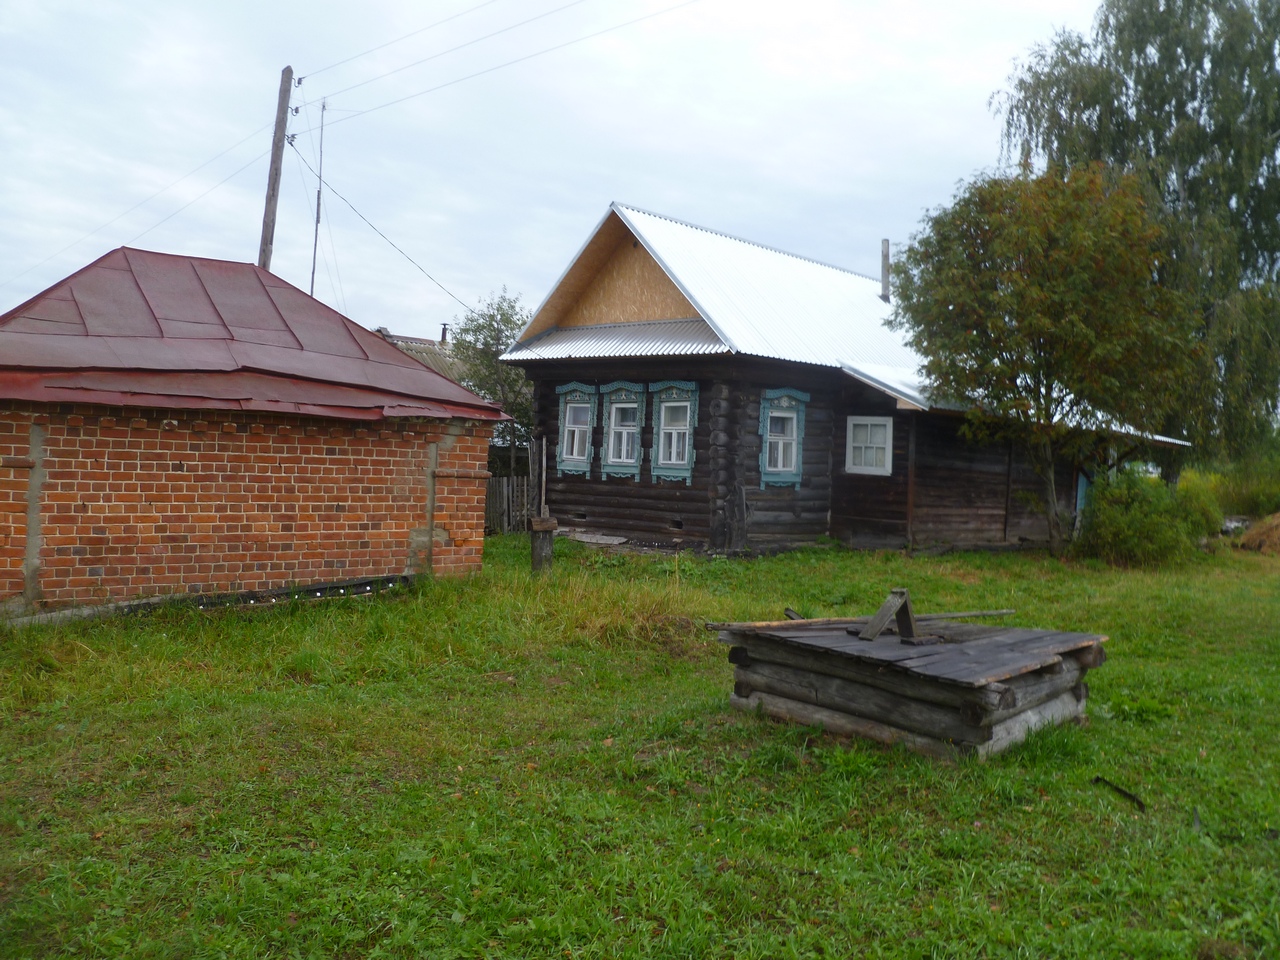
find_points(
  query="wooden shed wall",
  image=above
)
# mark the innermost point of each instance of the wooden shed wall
(870, 511)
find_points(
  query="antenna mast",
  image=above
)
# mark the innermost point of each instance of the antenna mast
(315, 240)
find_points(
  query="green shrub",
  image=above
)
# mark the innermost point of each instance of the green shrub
(1199, 504)
(1249, 487)
(1133, 520)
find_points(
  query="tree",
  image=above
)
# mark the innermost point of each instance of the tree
(480, 338)
(1037, 304)
(1184, 94)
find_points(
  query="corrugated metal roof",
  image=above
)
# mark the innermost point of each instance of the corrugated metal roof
(142, 315)
(757, 301)
(659, 338)
(434, 353)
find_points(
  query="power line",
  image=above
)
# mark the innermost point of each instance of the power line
(377, 231)
(530, 56)
(140, 203)
(461, 46)
(201, 197)
(389, 43)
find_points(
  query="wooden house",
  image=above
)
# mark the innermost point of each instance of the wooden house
(694, 388)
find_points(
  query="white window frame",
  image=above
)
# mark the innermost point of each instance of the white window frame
(782, 442)
(575, 432)
(868, 422)
(664, 431)
(620, 432)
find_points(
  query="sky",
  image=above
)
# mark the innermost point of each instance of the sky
(486, 138)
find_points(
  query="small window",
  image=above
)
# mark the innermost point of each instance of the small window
(577, 423)
(624, 408)
(577, 431)
(675, 413)
(869, 446)
(624, 433)
(780, 449)
(673, 444)
(782, 437)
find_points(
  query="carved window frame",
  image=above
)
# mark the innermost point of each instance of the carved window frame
(786, 401)
(671, 392)
(617, 394)
(575, 394)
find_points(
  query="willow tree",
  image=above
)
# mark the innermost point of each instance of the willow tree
(1038, 304)
(1184, 94)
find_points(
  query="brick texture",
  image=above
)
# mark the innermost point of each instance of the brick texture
(144, 502)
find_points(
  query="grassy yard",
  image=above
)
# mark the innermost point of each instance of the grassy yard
(504, 767)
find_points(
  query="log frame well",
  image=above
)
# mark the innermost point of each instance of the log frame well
(978, 692)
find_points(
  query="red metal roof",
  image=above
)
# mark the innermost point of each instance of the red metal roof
(138, 328)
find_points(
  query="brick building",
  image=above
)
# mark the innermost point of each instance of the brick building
(174, 425)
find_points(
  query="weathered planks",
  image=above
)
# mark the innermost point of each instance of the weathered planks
(978, 690)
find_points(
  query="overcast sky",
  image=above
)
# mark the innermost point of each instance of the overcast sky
(816, 126)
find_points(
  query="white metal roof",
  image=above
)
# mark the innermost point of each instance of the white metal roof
(658, 338)
(756, 301)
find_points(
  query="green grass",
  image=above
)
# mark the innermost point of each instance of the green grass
(505, 767)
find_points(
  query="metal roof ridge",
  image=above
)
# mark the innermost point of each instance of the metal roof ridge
(750, 243)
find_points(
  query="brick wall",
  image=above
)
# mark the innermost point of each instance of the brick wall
(140, 502)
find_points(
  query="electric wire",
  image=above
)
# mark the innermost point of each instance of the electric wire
(389, 43)
(140, 203)
(509, 63)
(199, 198)
(465, 306)
(461, 46)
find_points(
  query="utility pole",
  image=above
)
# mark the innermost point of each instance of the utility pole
(273, 177)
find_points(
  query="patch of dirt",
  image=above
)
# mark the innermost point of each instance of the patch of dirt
(1263, 536)
(1219, 950)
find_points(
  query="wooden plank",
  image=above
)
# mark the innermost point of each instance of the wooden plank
(985, 699)
(1016, 729)
(781, 708)
(862, 700)
(1031, 690)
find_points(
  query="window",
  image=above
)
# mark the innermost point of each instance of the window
(624, 404)
(780, 446)
(869, 445)
(673, 441)
(624, 433)
(782, 437)
(577, 421)
(577, 431)
(675, 417)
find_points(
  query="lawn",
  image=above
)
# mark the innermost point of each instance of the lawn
(508, 767)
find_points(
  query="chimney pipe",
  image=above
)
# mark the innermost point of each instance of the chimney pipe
(444, 332)
(884, 270)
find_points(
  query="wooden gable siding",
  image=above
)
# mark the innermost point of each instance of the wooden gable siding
(629, 287)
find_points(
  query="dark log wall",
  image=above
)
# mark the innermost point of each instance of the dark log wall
(870, 511)
(724, 507)
(944, 489)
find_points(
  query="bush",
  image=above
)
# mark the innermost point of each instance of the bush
(1199, 503)
(1133, 520)
(1250, 488)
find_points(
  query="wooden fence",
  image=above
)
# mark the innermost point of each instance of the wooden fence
(506, 506)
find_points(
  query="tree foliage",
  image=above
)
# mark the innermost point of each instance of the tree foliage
(1038, 305)
(1186, 95)
(480, 338)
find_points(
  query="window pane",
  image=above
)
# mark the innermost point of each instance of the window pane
(781, 426)
(771, 456)
(855, 456)
(879, 456)
(624, 416)
(858, 434)
(878, 434)
(675, 414)
(788, 456)
(578, 414)
(629, 447)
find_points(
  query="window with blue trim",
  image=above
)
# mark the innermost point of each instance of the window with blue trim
(577, 421)
(624, 409)
(675, 414)
(782, 437)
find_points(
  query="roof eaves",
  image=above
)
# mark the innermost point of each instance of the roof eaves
(912, 401)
